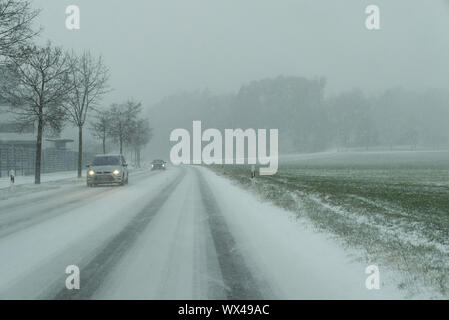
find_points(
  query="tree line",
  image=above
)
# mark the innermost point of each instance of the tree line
(48, 86)
(309, 120)
(123, 124)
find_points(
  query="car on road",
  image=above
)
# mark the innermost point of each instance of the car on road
(107, 169)
(158, 165)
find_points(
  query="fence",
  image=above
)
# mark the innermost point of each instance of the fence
(21, 158)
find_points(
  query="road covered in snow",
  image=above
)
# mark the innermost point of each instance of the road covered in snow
(183, 233)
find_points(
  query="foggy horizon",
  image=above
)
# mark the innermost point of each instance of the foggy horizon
(156, 49)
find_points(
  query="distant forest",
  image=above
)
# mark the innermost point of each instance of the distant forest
(310, 121)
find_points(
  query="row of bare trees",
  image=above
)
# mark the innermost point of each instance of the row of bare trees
(123, 124)
(48, 86)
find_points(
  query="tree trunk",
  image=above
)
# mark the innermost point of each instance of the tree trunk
(138, 157)
(104, 140)
(37, 167)
(121, 145)
(80, 151)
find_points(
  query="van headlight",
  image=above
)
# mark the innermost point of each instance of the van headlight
(91, 173)
(116, 172)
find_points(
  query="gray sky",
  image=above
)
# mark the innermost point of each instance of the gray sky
(155, 48)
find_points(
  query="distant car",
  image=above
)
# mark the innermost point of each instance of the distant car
(158, 165)
(107, 169)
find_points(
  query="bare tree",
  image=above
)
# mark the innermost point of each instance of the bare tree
(123, 119)
(141, 136)
(16, 19)
(42, 87)
(89, 76)
(101, 126)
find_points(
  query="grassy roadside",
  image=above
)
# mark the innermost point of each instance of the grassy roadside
(392, 206)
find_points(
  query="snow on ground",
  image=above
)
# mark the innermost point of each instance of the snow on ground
(34, 257)
(181, 233)
(298, 262)
(390, 206)
(46, 177)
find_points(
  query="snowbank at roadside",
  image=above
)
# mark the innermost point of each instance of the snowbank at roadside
(46, 177)
(301, 263)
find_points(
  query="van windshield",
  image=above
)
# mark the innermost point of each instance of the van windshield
(106, 161)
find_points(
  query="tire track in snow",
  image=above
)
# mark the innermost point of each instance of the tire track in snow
(93, 274)
(39, 198)
(57, 206)
(46, 212)
(64, 190)
(238, 281)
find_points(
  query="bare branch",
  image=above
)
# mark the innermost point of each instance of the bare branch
(16, 19)
(89, 77)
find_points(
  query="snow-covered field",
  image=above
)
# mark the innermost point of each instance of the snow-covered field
(181, 233)
(393, 207)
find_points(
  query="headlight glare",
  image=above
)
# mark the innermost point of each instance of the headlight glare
(116, 172)
(91, 172)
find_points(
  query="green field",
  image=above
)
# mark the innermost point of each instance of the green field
(394, 206)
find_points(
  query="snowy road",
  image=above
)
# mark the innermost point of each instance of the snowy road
(184, 233)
